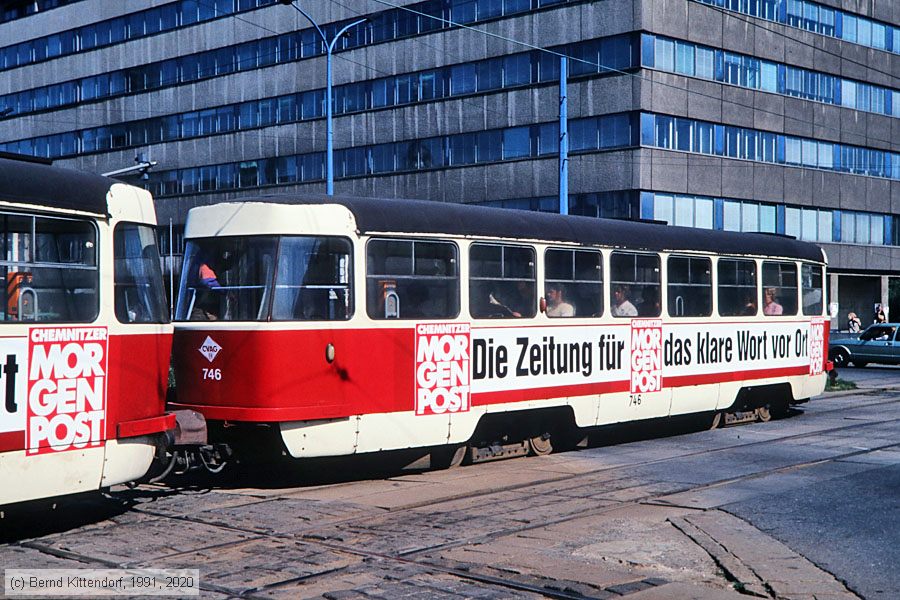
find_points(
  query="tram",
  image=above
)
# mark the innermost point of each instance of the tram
(85, 336)
(341, 325)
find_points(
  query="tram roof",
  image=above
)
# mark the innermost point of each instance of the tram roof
(24, 182)
(379, 215)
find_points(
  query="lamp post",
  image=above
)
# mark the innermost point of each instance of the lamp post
(329, 128)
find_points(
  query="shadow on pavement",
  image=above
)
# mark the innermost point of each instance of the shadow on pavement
(39, 518)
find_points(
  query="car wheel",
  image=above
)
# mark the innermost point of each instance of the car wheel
(840, 358)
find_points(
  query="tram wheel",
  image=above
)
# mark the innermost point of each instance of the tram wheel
(540, 445)
(764, 414)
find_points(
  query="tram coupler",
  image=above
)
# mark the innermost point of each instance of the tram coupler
(190, 428)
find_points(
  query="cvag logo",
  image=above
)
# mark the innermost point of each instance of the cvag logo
(210, 349)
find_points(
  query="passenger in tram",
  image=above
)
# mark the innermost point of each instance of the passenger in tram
(651, 306)
(556, 303)
(622, 306)
(749, 306)
(771, 306)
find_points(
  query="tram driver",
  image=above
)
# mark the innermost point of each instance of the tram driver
(209, 293)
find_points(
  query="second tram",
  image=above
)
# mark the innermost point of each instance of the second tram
(350, 325)
(85, 336)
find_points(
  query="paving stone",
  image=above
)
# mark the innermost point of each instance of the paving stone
(250, 566)
(141, 541)
(284, 515)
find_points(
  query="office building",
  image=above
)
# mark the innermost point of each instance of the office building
(756, 115)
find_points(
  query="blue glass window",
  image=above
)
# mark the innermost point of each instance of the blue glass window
(684, 58)
(517, 143)
(489, 146)
(462, 79)
(665, 54)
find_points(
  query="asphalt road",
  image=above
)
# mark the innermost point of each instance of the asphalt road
(793, 509)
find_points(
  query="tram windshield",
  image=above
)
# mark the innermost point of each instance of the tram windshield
(140, 294)
(261, 278)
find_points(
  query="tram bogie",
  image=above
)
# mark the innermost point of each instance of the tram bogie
(350, 326)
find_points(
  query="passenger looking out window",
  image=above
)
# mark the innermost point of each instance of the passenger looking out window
(573, 283)
(780, 293)
(770, 304)
(556, 303)
(635, 279)
(622, 306)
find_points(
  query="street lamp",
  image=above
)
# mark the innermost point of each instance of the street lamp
(329, 129)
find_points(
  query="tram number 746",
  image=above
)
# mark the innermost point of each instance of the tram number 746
(213, 374)
(634, 400)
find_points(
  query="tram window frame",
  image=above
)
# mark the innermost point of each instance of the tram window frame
(390, 291)
(732, 290)
(309, 303)
(809, 272)
(139, 291)
(496, 281)
(785, 294)
(687, 290)
(570, 275)
(54, 263)
(642, 294)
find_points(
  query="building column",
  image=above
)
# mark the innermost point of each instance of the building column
(885, 295)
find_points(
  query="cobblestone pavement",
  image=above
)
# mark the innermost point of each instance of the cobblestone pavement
(643, 514)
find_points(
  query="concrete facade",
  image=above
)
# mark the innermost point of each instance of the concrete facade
(633, 171)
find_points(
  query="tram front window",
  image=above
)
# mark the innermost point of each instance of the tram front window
(313, 279)
(227, 279)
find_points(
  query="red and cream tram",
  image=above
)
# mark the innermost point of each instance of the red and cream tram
(85, 336)
(350, 325)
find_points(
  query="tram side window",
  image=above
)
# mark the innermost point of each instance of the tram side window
(51, 269)
(690, 286)
(140, 294)
(412, 279)
(779, 288)
(502, 282)
(313, 279)
(574, 283)
(634, 285)
(813, 290)
(227, 279)
(738, 294)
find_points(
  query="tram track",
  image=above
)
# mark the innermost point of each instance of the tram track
(423, 557)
